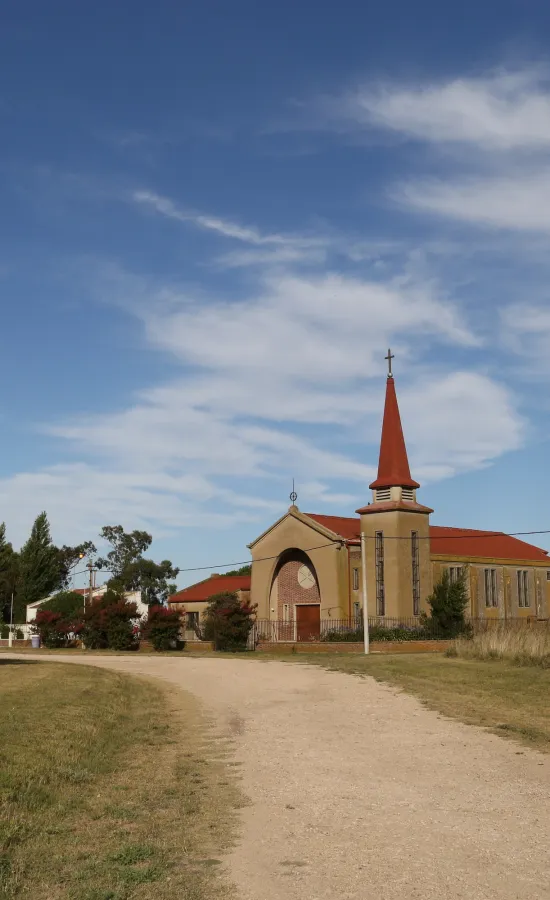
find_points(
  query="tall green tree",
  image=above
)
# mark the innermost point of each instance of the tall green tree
(68, 557)
(448, 604)
(126, 548)
(131, 571)
(244, 570)
(39, 571)
(9, 570)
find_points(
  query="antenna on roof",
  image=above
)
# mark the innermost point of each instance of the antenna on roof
(293, 495)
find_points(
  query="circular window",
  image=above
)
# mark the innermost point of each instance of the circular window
(306, 578)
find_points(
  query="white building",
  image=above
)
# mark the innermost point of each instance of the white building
(131, 596)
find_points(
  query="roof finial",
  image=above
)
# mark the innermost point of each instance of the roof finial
(389, 357)
(293, 495)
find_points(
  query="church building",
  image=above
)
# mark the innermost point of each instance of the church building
(308, 567)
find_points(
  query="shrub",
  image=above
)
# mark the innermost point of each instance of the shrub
(162, 628)
(447, 604)
(51, 628)
(109, 623)
(228, 622)
(347, 636)
(68, 603)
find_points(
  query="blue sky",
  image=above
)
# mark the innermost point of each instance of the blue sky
(215, 218)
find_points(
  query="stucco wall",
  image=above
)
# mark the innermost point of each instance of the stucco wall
(327, 557)
(396, 526)
(507, 587)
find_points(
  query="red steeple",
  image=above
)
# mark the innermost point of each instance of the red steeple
(393, 465)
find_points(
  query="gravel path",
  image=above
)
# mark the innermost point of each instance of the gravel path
(359, 792)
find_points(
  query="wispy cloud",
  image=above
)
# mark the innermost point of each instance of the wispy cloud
(519, 200)
(246, 234)
(501, 110)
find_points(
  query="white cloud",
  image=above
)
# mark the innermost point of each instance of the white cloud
(286, 381)
(245, 234)
(457, 422)
(301, 352)
(526, 331)
(497, 111)
(519, 200)
(81, 498)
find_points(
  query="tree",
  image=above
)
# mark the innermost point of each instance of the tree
(228, 622)
(9, 573)
(69, 604)
(130, 571)
(149, 577)
(39, 573)
(69, 556)
(109, 622)
(126, 549)
(244, 570)
(448, 604)
(162, 627)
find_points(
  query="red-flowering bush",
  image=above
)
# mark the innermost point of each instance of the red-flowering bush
(162, 628)
(109, 623)
(228, 622)
(54, 629)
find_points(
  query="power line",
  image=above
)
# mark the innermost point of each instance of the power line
(443, 537)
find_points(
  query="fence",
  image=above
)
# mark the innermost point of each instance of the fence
(380, 629)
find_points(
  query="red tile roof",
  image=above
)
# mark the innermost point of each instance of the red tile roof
(345, 527)
(393, 464)
(452, 541)
(216, 584)
(471, 542)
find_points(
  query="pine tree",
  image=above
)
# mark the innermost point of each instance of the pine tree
(39, 572)
(448, 604)
(8, 575)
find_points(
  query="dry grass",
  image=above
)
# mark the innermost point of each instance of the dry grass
(510, 700)
(518, 643)
(106, 792)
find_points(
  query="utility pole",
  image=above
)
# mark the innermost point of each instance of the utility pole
(91, 571)
(10, 635)
(364, 585)
(90, 567)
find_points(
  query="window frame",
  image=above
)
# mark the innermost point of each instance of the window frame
(379, 570)
(455, 573)
(355, 578)
(415, 572)
(523, 586)
(491, 595)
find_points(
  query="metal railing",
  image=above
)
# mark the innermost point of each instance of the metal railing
(381, 628)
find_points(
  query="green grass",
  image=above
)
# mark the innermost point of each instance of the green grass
(510, 700)
(107, 790)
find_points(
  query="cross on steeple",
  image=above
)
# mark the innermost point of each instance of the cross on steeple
(389, 358)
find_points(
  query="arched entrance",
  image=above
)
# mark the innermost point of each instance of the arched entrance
(295, 596)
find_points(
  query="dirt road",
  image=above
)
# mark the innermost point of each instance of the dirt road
(359, 792)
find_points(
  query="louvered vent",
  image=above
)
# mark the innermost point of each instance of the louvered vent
(407, 494)
(383, 494)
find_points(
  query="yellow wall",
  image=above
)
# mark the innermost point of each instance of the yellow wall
(507, 586)
(396, 527)
(330, 564)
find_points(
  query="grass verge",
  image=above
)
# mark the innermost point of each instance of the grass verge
(107, 790)
(511, 701)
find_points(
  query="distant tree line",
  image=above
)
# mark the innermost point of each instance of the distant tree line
(41, 569)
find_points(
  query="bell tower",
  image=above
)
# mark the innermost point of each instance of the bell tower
(394, 526)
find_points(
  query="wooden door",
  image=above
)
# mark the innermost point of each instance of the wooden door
(308, 622)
